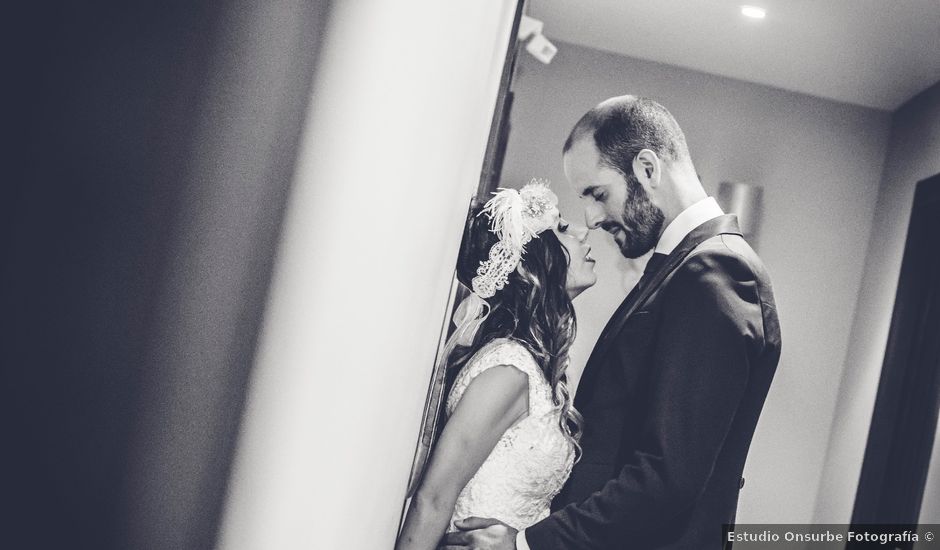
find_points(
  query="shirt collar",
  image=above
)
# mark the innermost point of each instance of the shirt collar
(690, 218)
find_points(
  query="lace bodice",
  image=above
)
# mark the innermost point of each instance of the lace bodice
(531, 461)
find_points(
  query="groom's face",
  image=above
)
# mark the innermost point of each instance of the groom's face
(614, 202)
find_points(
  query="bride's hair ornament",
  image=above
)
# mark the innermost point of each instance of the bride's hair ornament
(517, 217)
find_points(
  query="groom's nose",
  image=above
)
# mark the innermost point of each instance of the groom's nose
(593, 216)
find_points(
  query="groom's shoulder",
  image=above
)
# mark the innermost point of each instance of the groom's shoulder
(722, 257)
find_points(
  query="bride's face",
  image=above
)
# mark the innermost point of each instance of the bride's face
(581, 274)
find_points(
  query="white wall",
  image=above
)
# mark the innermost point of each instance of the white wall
(820, 163)
(913, 155)
(390, 157)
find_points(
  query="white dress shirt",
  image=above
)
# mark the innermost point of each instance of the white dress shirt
(690, 218)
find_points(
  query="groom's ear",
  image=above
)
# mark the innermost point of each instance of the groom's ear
(647, 168)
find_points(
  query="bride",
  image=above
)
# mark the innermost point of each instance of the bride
(511, 435)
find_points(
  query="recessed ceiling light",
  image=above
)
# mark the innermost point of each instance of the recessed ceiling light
(753, 12)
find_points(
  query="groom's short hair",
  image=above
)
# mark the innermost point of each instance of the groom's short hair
(623, 126)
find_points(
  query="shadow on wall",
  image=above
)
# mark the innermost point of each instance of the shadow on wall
(156, 146)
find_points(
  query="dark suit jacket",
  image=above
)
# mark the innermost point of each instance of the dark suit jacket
(670, 398)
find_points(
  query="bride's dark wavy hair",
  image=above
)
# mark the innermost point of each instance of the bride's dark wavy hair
(533, 309)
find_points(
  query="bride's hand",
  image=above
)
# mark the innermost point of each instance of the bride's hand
(480, 534)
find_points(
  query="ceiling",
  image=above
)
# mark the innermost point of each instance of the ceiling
(874, 53)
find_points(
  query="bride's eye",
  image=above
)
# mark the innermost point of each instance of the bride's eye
(562, 227)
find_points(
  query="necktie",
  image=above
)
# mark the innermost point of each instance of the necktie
(655, 261)
(652, 266)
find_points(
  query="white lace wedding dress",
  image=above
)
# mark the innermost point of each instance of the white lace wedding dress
(531, 461)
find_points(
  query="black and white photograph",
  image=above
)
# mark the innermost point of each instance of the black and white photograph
(472, 275)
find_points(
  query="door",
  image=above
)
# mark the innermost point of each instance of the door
(897, 456)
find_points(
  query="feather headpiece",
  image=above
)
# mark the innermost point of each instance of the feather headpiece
(517, 217)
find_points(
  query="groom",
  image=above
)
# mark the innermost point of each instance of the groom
(675, 385)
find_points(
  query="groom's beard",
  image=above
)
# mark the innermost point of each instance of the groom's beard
(642, 222)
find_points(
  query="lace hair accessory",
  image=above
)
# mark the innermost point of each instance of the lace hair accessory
(517, 217)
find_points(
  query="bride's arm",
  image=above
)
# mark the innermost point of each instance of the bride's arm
(495, 400)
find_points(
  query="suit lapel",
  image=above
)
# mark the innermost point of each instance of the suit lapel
(615, 320)
(722, 225)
